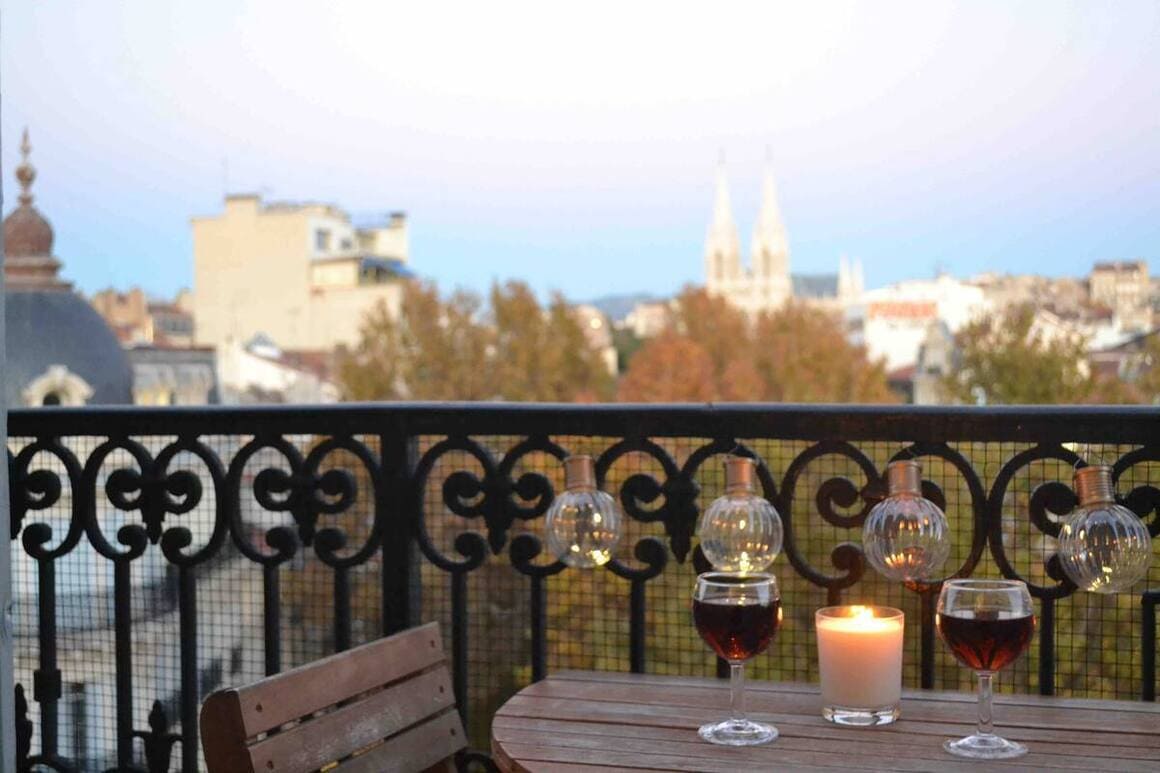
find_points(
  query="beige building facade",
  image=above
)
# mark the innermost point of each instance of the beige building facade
(1119, 283)
(1124, 287)
(301, 274)
(140, 321)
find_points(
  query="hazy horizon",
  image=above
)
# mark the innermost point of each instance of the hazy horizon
(576, 148)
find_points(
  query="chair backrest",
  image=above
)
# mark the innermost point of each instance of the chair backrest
(384, 706)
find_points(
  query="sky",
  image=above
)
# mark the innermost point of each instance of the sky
(574, 146)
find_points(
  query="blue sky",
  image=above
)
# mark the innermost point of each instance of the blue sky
(574, 146)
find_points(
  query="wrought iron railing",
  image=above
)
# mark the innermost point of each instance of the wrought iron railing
(160, 553)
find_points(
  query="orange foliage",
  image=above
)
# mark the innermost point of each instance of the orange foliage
(714, 352)
(669, 368)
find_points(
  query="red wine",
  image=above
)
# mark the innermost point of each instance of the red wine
(986, 645)
(736, 631)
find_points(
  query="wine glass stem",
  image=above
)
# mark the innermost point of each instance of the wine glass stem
(737, 690)
(985, 727)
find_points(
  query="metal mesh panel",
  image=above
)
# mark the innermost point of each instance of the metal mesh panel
(1097, 651)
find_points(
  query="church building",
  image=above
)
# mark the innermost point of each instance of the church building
(766, 283)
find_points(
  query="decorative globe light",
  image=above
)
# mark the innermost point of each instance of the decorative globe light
(740, 531)
(1103, 547)
(583, 523)
(906, 537)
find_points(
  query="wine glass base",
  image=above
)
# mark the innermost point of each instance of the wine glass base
(843, 715)
(738, 732)
(985, 746)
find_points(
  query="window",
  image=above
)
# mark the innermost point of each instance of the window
(57, 386)
(322, 240)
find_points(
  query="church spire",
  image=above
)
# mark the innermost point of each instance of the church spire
(770, 247)
(845, 280)
(722, 244)
(722, 207)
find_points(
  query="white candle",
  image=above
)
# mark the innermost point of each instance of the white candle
(860, 662)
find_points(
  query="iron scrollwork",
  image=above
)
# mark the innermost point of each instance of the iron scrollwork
(61, 502)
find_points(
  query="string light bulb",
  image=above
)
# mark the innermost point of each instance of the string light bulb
(740, 531)
(906, 537)
(1103, 546)
(583, 523)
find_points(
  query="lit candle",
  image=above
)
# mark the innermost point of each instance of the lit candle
(860, 661)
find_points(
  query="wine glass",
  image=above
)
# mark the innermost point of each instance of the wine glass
(987, 624)
(736, 614)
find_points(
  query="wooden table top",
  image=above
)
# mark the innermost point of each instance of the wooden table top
(586, 721)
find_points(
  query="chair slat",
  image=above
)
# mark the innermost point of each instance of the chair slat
(420, 748)
(318, 741)
(273, 702)
(397, 688)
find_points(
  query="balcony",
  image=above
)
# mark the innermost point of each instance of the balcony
(161, 553)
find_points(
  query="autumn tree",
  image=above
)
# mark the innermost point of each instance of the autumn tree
(453, 349)
(574, 369)
(802, 355)
(1005, 359)
(543, 355)
(718, 326)
(521, 339)
(712, 351)
(434, 349)
(669, 368)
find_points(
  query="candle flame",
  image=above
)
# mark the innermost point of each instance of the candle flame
(859, 612)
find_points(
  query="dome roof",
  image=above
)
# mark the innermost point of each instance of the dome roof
(46, 328)
(26, 232)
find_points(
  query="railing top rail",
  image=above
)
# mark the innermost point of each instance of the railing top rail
(1033, 424)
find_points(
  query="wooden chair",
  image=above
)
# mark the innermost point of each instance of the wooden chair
(385, 706)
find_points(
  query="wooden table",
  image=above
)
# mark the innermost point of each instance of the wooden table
(586, 721)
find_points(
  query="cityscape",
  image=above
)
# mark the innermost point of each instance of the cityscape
(293, 303)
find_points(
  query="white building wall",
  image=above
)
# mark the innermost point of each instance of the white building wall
(242, 371)
(893, 320)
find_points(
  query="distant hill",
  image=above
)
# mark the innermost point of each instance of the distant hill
(814, 285)
(616, 307)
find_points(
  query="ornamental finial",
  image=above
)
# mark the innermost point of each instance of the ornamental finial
(26, 172)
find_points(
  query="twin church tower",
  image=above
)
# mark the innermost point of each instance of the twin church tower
(766, 284)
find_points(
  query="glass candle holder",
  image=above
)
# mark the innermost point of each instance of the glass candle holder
(860, 662)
